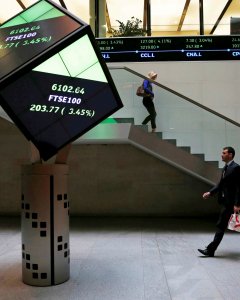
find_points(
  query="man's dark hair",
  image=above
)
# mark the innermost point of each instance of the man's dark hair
(230, 150)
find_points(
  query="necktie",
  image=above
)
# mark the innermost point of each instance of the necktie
(224, 170)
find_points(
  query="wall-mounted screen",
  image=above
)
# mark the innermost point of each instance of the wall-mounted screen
(170, 48)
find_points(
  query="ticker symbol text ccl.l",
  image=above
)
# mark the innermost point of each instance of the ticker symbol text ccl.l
(147, 54)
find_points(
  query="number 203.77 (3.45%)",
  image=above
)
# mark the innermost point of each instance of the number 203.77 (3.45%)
(62, 110)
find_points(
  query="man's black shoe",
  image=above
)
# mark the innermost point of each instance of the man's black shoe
(206, 252)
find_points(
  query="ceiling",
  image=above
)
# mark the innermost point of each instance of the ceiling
(168, 17)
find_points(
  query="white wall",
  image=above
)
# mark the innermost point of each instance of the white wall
(215, 84)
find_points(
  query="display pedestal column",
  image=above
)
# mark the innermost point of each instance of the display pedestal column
(45, 224)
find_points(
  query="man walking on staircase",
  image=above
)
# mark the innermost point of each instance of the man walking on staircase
(228, 191)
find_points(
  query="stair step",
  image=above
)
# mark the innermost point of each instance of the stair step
(171, 141)
(213, 163)
(159, 134)
(124, 120)
(144, 127)
(186, 148)
(199, 155)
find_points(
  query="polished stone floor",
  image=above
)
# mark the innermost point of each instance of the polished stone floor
(130, 259)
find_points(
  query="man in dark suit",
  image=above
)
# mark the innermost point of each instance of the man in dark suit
(228, 191)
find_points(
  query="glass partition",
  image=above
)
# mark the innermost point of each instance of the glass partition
(177, 118)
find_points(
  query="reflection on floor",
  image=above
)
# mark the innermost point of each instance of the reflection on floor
(130, 259)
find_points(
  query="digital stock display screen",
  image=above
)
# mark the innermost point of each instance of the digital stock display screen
(188, 48)
(65, 95)
(30, 33)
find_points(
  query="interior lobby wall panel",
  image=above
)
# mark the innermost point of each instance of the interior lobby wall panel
(125, 181)
(107, 180)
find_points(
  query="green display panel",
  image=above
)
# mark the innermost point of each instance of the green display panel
(68, 93)
(32, 32)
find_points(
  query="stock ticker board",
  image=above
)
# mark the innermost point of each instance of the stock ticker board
(188, 48)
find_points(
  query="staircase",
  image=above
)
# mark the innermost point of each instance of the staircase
(124, 131)
(180, 154)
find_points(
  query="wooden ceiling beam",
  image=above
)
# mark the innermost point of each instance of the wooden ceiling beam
(63, 4)
(21, 4)
(108, 20)
(221, 16)
(147, 17)
(184, 12)
(145, 9)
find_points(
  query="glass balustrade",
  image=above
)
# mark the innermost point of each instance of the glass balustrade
(178, 118)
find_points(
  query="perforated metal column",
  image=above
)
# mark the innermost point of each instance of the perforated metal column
(45, 224)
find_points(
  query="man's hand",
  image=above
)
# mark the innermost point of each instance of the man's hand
(206, 195)
(236, 208)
